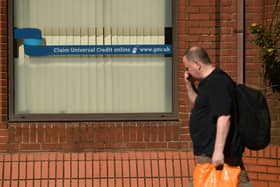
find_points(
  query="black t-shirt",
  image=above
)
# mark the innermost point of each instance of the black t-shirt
(216, 94)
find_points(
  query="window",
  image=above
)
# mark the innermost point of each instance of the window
(92, 86)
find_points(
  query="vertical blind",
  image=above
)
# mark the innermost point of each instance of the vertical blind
(92, 83)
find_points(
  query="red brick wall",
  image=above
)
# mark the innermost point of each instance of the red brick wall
(3, 74)
(207, 23)
(93, 136)
(273, 98)
(261, 12)
(263, 166)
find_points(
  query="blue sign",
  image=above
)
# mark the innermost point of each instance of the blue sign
(32, 50)
(32, 47)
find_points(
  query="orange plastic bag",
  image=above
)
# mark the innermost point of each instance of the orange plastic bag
(206, 175)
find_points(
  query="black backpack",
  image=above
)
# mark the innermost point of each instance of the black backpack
(253, 118)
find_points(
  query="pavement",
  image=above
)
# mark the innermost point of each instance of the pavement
(98, 169)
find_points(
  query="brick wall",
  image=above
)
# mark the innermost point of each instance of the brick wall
(273, 98)
(3, 74)
(93, 136)
(207, 23)
(263, 166)
(122, 168)
(261, 12)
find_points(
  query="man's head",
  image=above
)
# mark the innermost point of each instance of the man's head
(196, 62)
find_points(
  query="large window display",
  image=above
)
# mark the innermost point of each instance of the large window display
(102, 56)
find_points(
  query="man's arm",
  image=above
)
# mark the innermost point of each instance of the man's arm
(191, 90)
(223, 124)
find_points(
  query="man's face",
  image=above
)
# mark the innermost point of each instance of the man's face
(192, 68)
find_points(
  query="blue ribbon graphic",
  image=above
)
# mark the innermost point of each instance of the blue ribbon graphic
(30, 36)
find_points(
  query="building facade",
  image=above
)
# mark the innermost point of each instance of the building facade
(101, 98)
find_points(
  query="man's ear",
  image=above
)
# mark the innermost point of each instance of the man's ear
(198, 65)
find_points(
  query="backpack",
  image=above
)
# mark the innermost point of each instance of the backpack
(253, 118)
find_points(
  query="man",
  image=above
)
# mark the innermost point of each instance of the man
(214, 135)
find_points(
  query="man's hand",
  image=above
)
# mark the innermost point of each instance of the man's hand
(217, 159)
(186, 76)
(191, 90)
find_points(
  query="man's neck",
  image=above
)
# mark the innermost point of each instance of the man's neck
(208, 69)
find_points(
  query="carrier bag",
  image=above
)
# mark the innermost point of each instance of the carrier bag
(206, 175)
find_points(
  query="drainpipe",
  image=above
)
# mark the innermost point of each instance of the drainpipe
(241, 33)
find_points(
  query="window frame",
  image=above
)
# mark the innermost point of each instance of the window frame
(13, 117)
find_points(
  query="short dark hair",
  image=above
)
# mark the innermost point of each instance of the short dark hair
(197, 53)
